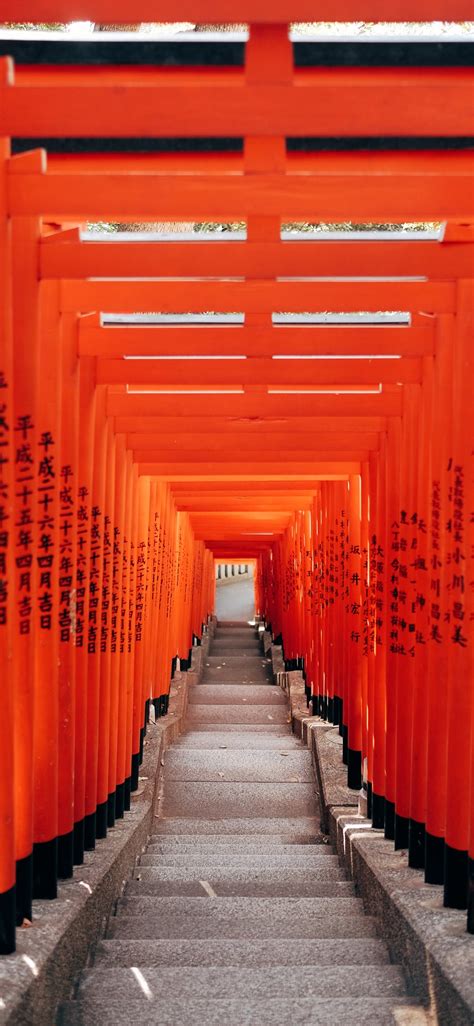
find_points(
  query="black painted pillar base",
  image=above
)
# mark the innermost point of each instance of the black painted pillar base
(24, 889)
(45, 869)
(470, 898)
(324, 707)
(157, 707)
(65, 855)
(456, 877)
(369, 800)
(331, 709)
(78, 843)
(401, 832)
(90, 831)
(378, 811)
(119, 801)
(434, 859)
(389, 820)
(416, 844)
(7, 922)
(111, 810)
(336, 717)
(344, 735)
(142, 738)
(135, 771)
(354, 769)
(101, 821)
(307, 691)
(127, 789)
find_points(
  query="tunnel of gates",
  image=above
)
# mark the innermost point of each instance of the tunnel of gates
(171, 399)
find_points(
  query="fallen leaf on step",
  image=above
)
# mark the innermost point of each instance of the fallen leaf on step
(283, 753)
(220, 774)
(222, 746)
(269, 717)
(26, 924)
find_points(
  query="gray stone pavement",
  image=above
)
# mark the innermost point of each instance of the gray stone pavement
(238, 912)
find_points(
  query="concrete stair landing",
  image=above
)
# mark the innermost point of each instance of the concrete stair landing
(239, 914)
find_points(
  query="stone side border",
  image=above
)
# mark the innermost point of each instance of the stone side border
(428, 940)
(55, 948)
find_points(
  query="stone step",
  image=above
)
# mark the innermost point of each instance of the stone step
(303, 826)
(235, 694)
(264, 849)
(277, 729)
(287, 952)
(277, 1011)
(249, 910)
(254, 741)
(273, 714)
(156, 923)
(236, 646)
(237, 883)
(248, 674)
(238, 766)
(218, 800)
(112, 986)
(311, 856)
(256, 658)
(206, 842)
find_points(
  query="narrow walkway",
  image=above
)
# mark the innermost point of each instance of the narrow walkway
(238, 913)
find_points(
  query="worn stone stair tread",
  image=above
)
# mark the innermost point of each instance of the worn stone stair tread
(254, 741)
(173, 842)
(234, 693)
(111, 985)
(275, 729)
(245, 909)
(222, 952)
(214, 660)
(279, 1011)
(308, 825)
(183, 925)
(228, 649)
(249, 886)
(315, 861)
(251, 766)
(298, 854)
(237, 799)
(232, 713)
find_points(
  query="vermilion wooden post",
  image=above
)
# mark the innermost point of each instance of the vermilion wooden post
(460, 739)
(87, 406)
(25, 310)
(45, 742)
(418, 777)
(67, 556)
(381, 631)
(354, 696)
(140, 623)
(7, 790)
(107, 698)
(116, 793)
(392, 514)
(92, 629)
(439, 654)
(123, 769)
(405, 617)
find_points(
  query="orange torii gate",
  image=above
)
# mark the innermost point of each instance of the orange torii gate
(142, 437)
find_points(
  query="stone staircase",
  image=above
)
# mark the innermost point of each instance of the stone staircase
(238, 913)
